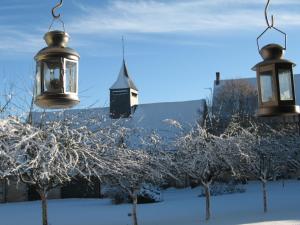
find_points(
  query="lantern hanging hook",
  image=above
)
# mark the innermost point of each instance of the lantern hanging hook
(57, 17)
(266, 16)
(270, 26)
(58, 5)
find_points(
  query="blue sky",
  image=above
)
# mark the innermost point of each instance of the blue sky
(173, 47)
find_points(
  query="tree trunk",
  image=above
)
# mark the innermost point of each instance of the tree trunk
(44, 208)
(5, 189)
(207, 200)
(100, 189)
(264, 182)
(134, 206)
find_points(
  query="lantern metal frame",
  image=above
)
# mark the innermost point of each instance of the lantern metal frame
(57, 52)
(271, 65)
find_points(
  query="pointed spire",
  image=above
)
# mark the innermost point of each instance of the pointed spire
(124, 80)
(123, 48)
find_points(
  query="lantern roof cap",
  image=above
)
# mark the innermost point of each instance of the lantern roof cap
(57, 42)
(272, 51)
(124, 81)
(273, 61)
(272, 54)
(57, 38)
(49, 52)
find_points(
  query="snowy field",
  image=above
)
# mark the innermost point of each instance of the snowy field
(180, 207)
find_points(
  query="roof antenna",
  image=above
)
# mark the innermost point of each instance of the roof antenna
(123, 48)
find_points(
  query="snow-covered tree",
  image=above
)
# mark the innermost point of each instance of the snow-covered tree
(132, 164)
(204, 157)
(50, 156)
(291, 140)
(137, 168)
(13, 134)
(163, 157)
(264, 152)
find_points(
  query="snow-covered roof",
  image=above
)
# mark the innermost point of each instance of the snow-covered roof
(149, 117)
(124, 80)
(153, 116)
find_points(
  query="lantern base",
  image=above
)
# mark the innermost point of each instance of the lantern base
(278, 111)
(56, 101)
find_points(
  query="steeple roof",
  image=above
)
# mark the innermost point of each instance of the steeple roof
(124, 80)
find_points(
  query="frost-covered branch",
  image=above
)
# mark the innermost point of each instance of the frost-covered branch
(204, 157)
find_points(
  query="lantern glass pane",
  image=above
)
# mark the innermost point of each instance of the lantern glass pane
(53, 82)
(266, 88)
(71, 76)
(38, 79)
(285, 84)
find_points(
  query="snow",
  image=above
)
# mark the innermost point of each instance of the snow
(149, 117)
(180, 207)
(153, 116)
(124, 80)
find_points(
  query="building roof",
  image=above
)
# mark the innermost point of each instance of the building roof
(234, 96)
(153, 117)
(221, 84)
(124, 80)
(253, 82)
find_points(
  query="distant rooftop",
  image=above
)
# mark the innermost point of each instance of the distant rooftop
(252, 80)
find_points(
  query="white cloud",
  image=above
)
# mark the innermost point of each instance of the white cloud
(136, 17)
(174, 16)
(18, 42)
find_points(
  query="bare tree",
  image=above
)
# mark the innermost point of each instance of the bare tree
(6, 100)
(233, 97)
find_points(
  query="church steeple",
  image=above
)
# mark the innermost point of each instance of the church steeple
(123, 93)
(124, 80)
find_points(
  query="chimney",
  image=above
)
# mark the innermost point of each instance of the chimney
(218, 76)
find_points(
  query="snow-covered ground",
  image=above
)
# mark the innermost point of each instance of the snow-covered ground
(180, 207)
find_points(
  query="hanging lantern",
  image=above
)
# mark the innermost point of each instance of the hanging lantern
(275, 81)
(56, 71)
